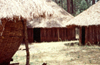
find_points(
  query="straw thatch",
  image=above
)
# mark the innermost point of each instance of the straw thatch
(57, 18)
(91, 16)
(26, 8)
(35, 11)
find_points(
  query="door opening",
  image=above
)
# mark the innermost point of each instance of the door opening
(36, 34)
(83, 35)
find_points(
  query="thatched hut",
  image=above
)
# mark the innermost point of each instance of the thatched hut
(89, 24)
(50, 27)
(13, 16)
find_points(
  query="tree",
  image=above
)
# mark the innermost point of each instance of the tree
(72, 7)
(68, 6)
(93, 1)
(83, 6)
(56, 1)
(86, 1)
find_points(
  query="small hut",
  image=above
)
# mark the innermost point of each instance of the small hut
(88, 23)
(50, 27)
(13, 17)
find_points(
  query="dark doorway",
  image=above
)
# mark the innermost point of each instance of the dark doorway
(36, 34)
(83, 35)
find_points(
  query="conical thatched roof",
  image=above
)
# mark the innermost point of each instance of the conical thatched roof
(39, 13)
(25, 8)
(57, 18)
(91, 16)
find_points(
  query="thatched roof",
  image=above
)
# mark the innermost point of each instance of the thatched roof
(58, 16)
(25, 8)
(91, 16)
(39, 13)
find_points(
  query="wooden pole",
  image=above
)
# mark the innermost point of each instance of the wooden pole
(80, 36)
(86, 35)
(26, 43)
(58, 33)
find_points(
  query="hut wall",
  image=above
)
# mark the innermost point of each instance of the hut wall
(86, 35)
(30, 35)
(62, 34)
(56, 34)
(53, 34)
(80, 35)
(48, 34)
(71, 33)
(43, 34)
(92, 35)
(11, 39)
(98, 34)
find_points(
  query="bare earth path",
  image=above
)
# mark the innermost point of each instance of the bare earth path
(59, 53)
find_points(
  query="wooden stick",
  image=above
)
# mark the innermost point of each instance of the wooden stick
(26, 43)
(58, 33)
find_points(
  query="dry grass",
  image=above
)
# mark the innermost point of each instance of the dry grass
(59, 53)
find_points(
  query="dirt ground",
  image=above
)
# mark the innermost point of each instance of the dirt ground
(59, 53)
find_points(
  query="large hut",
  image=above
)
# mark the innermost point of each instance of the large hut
(50, 27)
(13, 17)
(88, 23)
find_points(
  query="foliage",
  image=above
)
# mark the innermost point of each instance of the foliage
(83, 5)
(79, 5)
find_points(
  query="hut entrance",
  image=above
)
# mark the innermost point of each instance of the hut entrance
(36, 34)
(83, 35)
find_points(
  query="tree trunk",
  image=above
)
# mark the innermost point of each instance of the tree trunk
(68, 6)
(56, 1)
(86, 1)
(26, 43)
(93, 1)
(72, 6)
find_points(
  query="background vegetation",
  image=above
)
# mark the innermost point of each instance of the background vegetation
(75, 6)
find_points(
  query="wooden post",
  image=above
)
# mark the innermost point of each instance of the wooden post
(80, 36)
(73, 33)
(94, 35)
(26, 42)
(98, 34)
(66, 34)
(86, 35)
(58, 33)
(90, 35)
